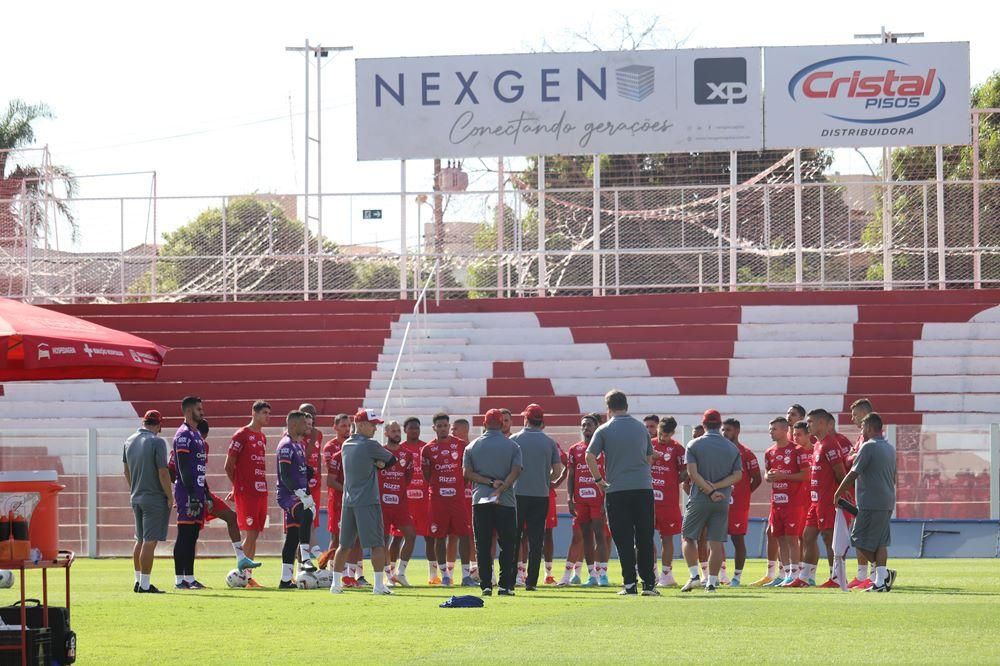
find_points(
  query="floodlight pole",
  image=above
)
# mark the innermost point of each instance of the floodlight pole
(886, 37)
(318, 51)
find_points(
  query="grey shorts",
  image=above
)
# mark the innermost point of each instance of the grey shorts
(871, 529)
(364, 523)
(703, 514)
(151, 518)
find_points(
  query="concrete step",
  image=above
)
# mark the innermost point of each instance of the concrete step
(589, 368)
(25, 410)
(793, 332)
(469, 386)
(779, 349)
(87, 389)
(378, 395)
(781, 314)
(428, 357)
(786, 366)
(482, 336)
(798, 384)
(697, 404)
(956, 365)
(957, 384)
(467, 405)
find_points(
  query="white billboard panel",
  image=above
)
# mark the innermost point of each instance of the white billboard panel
(559, 103)
(871, 95)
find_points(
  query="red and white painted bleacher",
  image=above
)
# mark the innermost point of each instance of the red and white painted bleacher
(926, 359)
(923, 357)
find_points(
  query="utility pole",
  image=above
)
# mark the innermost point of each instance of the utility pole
(317, 51)
(886, 37)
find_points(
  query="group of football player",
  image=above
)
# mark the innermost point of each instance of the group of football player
(426, 495)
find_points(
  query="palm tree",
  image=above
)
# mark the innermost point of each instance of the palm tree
(28, 187)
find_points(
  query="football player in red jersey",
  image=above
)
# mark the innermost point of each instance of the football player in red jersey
(586, 505)
(394, 482)
(669, 472)
(417, 494)
(508, 421)
(827, 471)
(775, 568)
(313, 444)
(739, 509)
(785, 470)
(246, 469)
(334, 483)
(652, 423)
(441, 462)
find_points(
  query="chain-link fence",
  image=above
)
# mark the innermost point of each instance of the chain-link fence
(944, 473)
(920, 217)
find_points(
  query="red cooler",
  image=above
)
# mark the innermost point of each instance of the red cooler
(32, 498)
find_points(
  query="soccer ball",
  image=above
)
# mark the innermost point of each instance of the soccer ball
(6, 578)
(236, 579)
(324, 578)
(306, 580)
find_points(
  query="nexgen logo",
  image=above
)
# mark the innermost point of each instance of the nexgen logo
(868, 89)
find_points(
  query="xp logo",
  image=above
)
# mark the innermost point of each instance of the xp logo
(720, 81)
(867, 89)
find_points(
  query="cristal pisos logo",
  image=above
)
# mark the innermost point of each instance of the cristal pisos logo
(867, 89)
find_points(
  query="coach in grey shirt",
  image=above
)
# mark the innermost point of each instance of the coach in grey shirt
(713, 465)
(144, 464)
(875, 471)
(540, 466)
(628, 453)
(493, 464)
(361, 515)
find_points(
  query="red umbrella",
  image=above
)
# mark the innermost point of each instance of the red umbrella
(43, 344)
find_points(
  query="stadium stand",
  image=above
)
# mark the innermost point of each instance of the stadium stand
(925, 358)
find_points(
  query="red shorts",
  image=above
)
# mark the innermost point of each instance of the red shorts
(395, 517)
(218, 506)
(418, 511)
(552, 518)
(739, 519)
(668, 519)
(821, 515)
(588, 513)
(786, 520)
(251, 511)
(447, 517)
(333, 505)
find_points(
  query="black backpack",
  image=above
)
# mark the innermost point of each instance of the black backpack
(63, 638)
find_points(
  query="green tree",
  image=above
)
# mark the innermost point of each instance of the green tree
(26, 187)
(910, 203)
(263, 252)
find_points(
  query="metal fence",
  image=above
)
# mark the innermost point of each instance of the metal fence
(944, 473)
(923, 217)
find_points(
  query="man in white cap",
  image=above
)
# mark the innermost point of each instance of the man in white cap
(361, 515)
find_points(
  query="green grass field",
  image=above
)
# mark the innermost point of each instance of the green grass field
(942, 611)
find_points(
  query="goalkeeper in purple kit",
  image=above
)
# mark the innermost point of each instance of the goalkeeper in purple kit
(295, 499)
